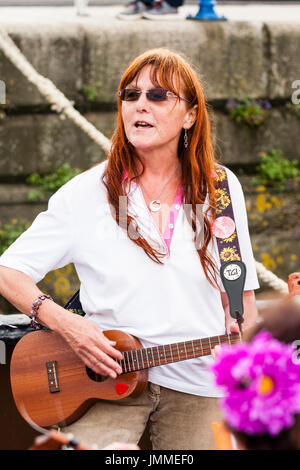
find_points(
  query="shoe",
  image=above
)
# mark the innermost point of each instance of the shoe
(133, 11)
(161, 11)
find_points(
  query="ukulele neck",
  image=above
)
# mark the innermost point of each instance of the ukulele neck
(138, 359)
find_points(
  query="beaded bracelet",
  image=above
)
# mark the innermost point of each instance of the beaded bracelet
(33, 312)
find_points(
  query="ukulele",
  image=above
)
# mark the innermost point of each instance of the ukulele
(51, 385)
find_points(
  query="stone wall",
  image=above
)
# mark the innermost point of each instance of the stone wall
(234, 60)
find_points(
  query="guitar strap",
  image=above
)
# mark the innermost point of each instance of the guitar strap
(233, 269)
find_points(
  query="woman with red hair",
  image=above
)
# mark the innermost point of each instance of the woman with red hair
(138, 228)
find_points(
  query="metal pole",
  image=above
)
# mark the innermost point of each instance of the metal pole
(206, 12)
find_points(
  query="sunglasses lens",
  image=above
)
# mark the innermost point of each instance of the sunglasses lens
(157, 94)
(128, 94)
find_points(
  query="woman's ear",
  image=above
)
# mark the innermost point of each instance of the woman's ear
(190, 117)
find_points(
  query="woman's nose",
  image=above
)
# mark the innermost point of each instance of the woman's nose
(143, 102)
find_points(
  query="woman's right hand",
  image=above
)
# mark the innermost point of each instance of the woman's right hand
(89, 343)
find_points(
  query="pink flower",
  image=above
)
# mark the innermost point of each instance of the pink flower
(261, 385)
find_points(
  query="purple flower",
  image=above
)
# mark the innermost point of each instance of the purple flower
(230, 104)
(267, 104)
(261, 384)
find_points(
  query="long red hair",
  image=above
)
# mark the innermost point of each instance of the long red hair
(170, 71)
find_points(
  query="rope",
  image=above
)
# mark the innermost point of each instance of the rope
(64, 106)
(271, 279)
(57, 99)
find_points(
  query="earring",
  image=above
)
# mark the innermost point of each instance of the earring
(185, 139)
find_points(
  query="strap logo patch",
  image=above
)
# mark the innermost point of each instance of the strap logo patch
(232, 272)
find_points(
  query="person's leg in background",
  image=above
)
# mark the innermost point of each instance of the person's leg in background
(151, 9)
(135, 9)
(163, 10)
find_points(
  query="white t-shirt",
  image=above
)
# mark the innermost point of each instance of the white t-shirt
(121, 287)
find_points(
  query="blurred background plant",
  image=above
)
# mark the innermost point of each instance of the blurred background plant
(248, 111)
(92, 92)
(51, 182)
(294, 108)
(10, 232)
(275, 170)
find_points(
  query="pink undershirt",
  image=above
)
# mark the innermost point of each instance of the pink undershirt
(174, 211)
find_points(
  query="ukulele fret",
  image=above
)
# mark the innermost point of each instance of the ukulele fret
(172, 360)
(158, 355)
(185, 350)
(133, 359)
(143, 365)
(162, 357)
(193, 348)
(145, 358)
(201, 347)
(126, 362)
(178, 351)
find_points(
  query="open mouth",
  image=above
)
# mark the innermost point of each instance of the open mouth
(142, 125)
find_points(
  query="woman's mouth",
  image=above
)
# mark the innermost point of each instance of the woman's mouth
(142, 125)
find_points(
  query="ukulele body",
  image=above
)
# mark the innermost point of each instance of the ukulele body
(50, 384)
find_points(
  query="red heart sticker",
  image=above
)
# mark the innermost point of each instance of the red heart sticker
(223, 227)
(121, 388)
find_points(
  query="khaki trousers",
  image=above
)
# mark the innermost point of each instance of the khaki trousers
(176, 420)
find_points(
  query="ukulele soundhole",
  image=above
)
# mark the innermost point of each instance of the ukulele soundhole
(95, 377)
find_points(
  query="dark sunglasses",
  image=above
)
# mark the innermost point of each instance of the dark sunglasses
(155, 94)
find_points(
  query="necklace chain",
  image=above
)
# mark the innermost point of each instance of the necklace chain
(155, 204)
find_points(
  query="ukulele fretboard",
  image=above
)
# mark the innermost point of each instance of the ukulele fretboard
(138, 359)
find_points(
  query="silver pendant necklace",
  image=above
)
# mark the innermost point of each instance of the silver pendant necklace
(155, 204)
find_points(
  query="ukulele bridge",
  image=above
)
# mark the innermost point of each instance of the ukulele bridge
(52, 376)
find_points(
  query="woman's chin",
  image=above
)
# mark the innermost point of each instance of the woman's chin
(143, 145)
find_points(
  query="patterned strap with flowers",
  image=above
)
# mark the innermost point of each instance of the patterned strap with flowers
(224, 227)
(232, 270)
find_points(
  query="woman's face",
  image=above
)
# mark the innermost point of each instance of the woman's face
(166, 118)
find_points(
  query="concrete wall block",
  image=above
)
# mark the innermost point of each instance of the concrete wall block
(42, 143)
(240, 144)
(229, 56)
(56, 52)
(284, 50)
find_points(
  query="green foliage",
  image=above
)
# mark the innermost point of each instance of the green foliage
(92, 92)
(274, 170)
(10, 232)
(51, 182)
(248, 111)
(294, 108)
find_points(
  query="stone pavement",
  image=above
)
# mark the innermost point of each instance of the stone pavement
(61, 15)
